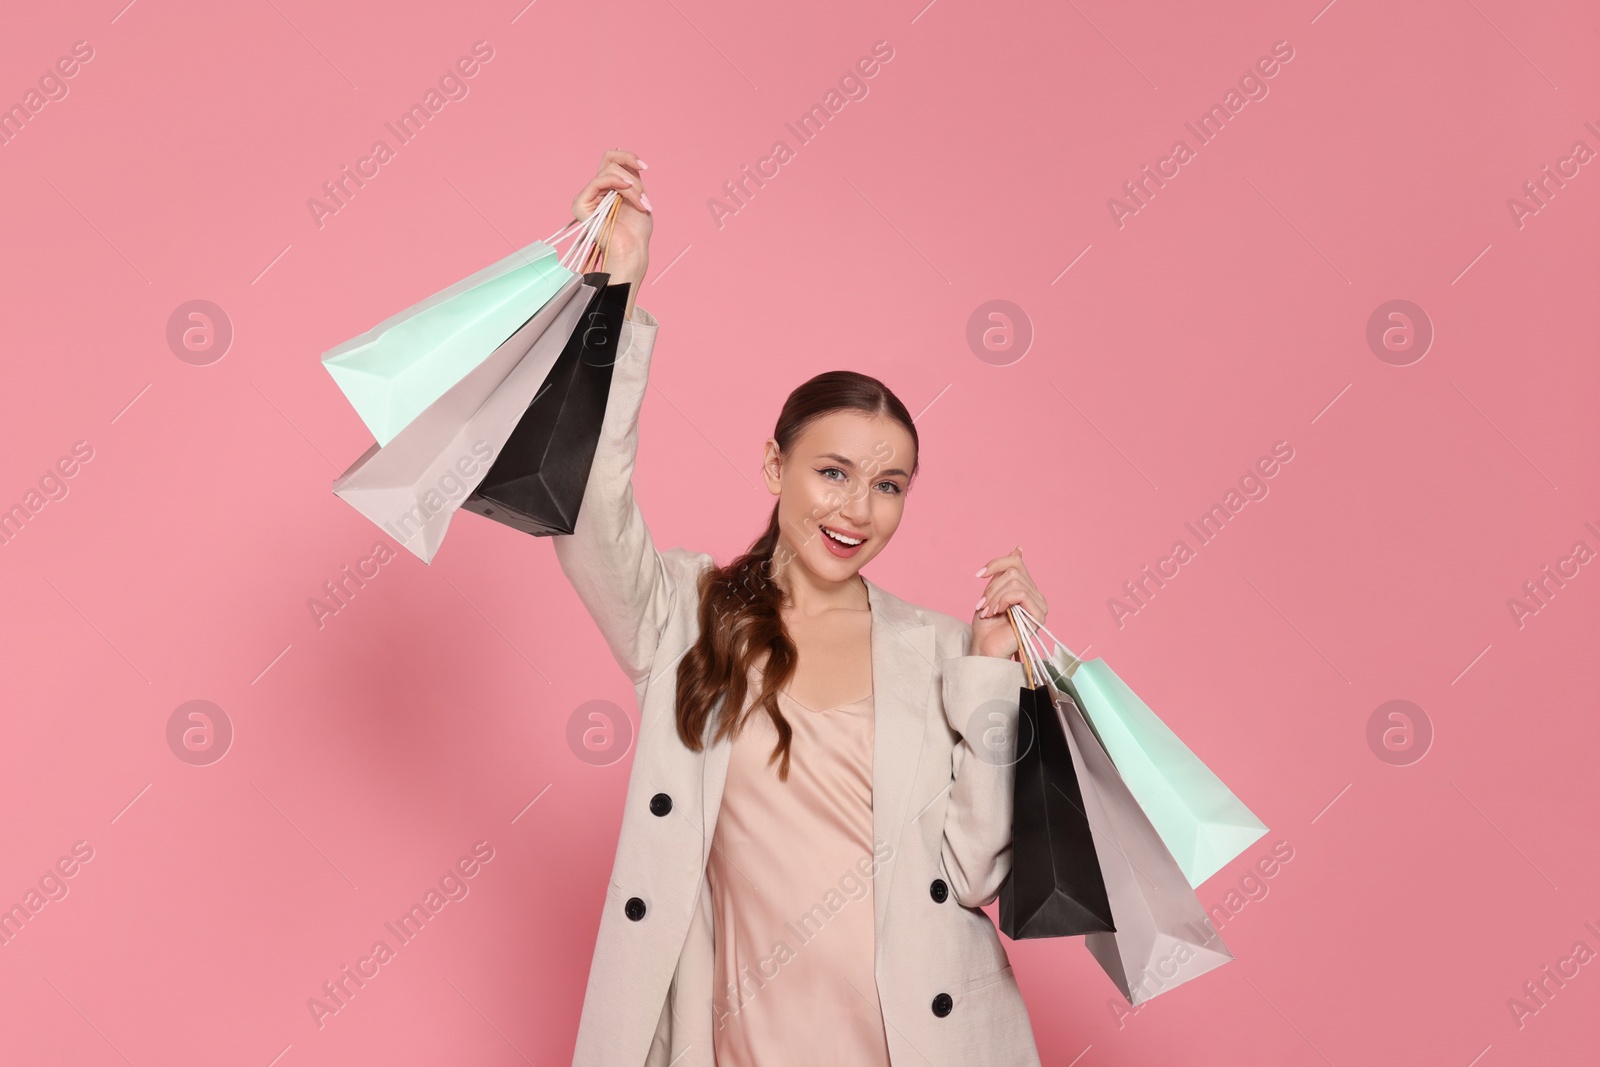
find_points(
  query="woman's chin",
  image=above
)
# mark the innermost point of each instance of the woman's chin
(837, 568)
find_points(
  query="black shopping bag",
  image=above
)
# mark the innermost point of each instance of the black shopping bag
(538, 479)
(1055, 888)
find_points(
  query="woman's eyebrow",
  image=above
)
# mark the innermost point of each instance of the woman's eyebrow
(848, 463)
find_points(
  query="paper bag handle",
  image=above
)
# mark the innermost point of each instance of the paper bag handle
(1022, 647)
(600, 251)
(584, 232)
(1074, 661)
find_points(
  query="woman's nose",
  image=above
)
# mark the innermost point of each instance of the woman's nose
(856, 509)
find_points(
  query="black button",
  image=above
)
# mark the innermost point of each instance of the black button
(660, 804)
(634, 909)
(942, 1005)
(939, 890)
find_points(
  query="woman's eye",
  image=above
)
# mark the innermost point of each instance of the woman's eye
(826, 471)
(893, 487)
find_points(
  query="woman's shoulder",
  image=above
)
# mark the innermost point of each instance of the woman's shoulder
(951, 635)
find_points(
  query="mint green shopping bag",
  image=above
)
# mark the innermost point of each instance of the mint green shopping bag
(1201, 822)
(391, 373)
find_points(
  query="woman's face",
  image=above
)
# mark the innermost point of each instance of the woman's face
(844, 479)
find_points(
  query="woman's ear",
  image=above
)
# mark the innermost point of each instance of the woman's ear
(772, 466)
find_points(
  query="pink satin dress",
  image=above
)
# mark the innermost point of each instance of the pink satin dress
(791, 889)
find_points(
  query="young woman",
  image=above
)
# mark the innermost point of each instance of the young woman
(820, 801)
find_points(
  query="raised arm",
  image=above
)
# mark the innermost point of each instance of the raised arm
(610, 558)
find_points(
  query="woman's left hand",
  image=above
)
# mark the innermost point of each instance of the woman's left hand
(1009, 583)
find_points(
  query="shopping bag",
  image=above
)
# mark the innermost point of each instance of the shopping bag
(1203, 823)
(1163, 936)
(1054, 887)
(391, 373)
(538, 480)
(413, 483)
(412, 486)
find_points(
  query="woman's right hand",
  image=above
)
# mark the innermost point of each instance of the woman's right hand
(629, 254)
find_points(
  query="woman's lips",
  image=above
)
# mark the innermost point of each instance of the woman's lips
(838, 548)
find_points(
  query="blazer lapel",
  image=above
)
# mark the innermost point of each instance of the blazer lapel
(902, 671)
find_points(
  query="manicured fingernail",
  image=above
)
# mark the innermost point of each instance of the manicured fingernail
(979, 605)
(645, 200)
(642, 164)
(981, 571)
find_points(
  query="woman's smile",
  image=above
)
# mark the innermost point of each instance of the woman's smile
(840, 542)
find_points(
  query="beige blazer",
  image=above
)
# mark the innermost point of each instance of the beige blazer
(941, 812)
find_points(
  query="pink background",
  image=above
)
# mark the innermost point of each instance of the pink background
(430, 712)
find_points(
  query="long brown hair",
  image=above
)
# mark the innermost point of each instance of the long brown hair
(740, 604)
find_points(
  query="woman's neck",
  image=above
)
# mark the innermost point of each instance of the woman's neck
(805, 593)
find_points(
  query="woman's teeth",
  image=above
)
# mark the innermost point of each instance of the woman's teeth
(843, 540)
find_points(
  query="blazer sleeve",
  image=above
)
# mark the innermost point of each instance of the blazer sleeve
(610, 558)
(981, 704)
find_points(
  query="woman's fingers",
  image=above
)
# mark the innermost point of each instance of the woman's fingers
(629, 186)
(613, 173)
(1006, 601)
(1012, 586)
(1009, 584)
(617, 170)
(1006, 577)
(1001, 595)
(626, 159)
(609, 178)
(1031, 599)
(1002, 571)
(635, 196)
(633, 190)
(590, 198)
(1000, 563)
(584, 204)
(995, 593)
